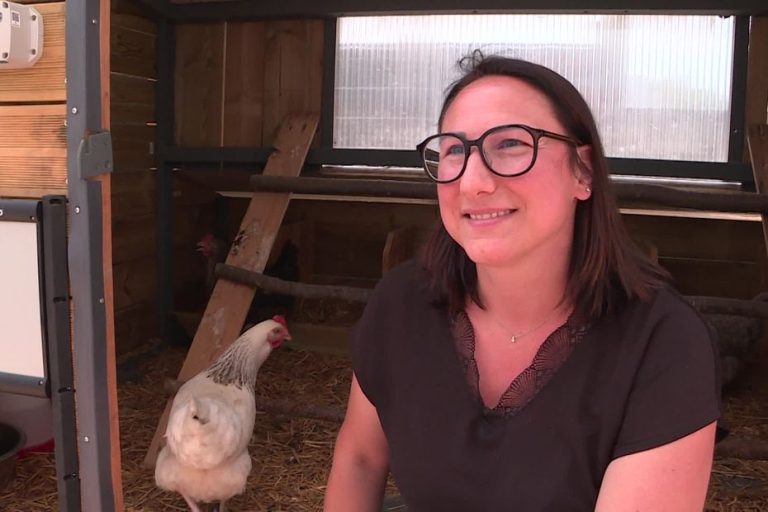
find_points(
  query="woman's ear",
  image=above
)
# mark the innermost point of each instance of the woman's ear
(583, 172)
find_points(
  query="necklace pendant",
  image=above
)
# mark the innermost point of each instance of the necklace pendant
(513, 339)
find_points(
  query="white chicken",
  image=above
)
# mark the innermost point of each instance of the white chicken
(205, 458)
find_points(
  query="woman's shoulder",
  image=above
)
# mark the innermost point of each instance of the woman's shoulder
(661, 302)
(664, 327)
(662, 323)
(667, 304)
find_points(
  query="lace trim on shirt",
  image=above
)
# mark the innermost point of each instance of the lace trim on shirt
(550, 357)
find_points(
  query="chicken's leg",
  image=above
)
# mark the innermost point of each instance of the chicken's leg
(192, 505)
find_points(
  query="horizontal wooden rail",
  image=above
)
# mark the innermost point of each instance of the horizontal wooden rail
(294, 289)
(706, 305)
(725, 306)
(346, 186)
(736, 202)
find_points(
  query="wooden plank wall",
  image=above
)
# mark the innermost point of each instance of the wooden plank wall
(235, 81)
(132, 81)
(33, 145)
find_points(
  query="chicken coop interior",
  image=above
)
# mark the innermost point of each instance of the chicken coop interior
(283, 126)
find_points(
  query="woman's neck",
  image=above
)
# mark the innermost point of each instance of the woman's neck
(524, 293)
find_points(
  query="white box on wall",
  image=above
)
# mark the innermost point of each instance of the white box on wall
(21, 35)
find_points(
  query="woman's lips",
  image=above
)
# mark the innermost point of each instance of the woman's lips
(489, 215)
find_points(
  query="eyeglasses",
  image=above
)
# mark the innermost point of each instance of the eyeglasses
(508, 150)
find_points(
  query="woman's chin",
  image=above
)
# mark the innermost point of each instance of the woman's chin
(491, 256)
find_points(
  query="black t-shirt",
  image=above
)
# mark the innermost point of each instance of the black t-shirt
(629, 382)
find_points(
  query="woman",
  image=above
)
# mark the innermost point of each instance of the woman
(532, 360)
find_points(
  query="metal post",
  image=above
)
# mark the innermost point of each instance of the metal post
(329, 83)
(739, 89)
(86, 258)
(164, 101)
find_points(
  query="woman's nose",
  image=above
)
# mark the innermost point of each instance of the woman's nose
(477, 178)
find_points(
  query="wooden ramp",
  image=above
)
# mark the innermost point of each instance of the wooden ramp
(228, 305)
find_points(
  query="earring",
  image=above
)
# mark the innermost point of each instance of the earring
(588, 189)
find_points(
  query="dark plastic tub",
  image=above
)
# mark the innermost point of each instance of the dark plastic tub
(11, 441)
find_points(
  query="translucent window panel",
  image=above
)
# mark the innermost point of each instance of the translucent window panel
(659, 86)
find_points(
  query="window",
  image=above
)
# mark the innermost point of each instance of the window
(659, 86)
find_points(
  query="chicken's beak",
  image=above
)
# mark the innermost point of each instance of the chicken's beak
(203, 249)
(276, 341)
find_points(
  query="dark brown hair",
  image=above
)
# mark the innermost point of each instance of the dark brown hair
(606, 268)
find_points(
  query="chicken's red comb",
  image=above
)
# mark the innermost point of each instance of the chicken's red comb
(280, 319)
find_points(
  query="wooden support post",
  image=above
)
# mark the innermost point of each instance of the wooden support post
(229, 302)
(757, 141)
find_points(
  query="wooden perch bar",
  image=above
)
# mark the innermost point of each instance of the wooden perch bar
(736, 202)
(345, 186)
(294, 289)
(727, 306)
(716, 305)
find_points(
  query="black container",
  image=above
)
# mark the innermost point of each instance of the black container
(11, 441)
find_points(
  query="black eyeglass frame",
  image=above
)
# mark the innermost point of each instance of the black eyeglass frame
(536, 134)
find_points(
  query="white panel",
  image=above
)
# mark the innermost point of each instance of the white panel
(659, 86)
(21, 343)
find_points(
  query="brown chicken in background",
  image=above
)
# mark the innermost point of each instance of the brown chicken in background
(205, 458)
(285, 266)
(214, 250)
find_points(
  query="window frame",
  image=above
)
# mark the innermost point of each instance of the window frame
(733, 170)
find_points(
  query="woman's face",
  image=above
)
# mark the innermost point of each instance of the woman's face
(504, 221)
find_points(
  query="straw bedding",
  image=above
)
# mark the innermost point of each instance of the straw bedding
(292, 455)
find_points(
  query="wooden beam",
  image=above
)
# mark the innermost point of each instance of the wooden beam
(756, 102)
(757, 142)
(105, 30)
(224, 316)
(353, 187)
(206, 10)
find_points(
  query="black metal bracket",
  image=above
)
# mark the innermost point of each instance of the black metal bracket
(94, 155)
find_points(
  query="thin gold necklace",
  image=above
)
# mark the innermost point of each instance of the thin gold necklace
(514, 337)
